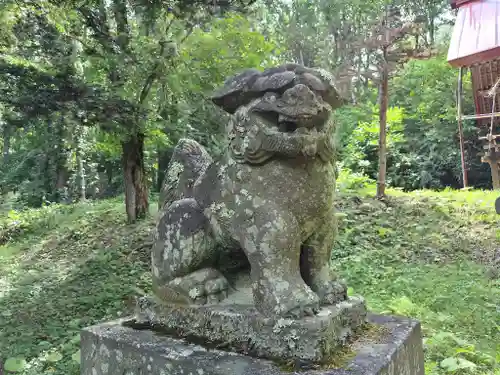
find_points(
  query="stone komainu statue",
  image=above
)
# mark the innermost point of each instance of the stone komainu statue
(270, 196)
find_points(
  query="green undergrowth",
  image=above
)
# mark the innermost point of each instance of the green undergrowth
(431, 256)
(434, 256)
(63, 268)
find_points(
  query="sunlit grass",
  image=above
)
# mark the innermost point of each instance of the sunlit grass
(422, 254)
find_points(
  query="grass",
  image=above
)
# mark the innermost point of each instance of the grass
(426, 255)
(66, 268)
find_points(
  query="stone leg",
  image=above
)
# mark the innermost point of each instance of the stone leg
(182, 257)
(271, 241)
(315, 264)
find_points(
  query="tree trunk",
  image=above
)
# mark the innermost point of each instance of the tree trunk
(80, 174)
(61, 159)
(382, 142)
(6, 142)
(432, 32)
(46, 170)
(495, 175)
(136, 191)
(109, 173)
(160, 175)
(163, 161)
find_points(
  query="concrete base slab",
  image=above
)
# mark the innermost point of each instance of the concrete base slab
(242, 329)
(388, 346)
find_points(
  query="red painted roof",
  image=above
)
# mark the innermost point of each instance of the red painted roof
(476, 35)
(458, 3)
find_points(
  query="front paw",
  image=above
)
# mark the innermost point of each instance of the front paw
(326, 148)
(286, 298)
(201, 287)
(332, 292)
(311, 138)
(310, 150)
(209, 292)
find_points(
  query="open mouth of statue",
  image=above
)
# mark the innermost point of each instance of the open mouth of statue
(308, 121)
(287, 126)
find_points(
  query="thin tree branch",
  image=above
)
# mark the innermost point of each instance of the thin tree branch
(100, 30)
(188, 33)
(152, 76)
(85, 44)
(154, 72)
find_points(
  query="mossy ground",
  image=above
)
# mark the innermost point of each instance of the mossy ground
(427, 255)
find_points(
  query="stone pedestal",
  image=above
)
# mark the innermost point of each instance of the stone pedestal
(241, 329)
(386, 346)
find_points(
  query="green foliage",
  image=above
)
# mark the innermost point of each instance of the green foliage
(236, 45)
(423, 143)
(422, 255)
(157, 80)
(426, 255)
(62, 274)
(199, 71)
(76, 356)
(426, 90)
(14, 364)
(360, 152)
(460, 357)
(158, 86)
(16, 224)
(352, 182)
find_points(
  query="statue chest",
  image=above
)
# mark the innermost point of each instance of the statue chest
(303, 189)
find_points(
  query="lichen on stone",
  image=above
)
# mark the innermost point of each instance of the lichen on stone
(174, 171)
(270, 194)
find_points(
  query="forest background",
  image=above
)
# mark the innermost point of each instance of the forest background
(94, 95)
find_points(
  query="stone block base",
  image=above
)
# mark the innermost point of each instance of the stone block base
(241, 329)
(387, 346)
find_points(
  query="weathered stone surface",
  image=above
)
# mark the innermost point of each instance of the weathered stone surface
(243, 329)
(114, 349)
(189, 161)
(262, 214)
(270, 196)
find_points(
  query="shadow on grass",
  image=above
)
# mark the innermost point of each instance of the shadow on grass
(81, 273)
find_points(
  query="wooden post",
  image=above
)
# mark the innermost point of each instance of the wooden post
(460, 129)
(493, 158)
(495, 174)
(384, 104)
(382, 140)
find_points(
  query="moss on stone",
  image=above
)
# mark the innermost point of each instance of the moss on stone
(369, 332)
(373, 332)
